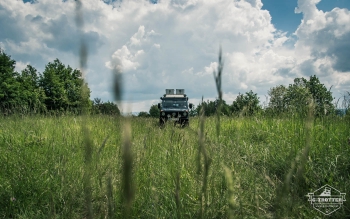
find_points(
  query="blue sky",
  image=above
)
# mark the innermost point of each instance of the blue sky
(175, 44)
(283, 15)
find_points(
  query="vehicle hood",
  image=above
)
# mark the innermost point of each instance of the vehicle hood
(173, 110)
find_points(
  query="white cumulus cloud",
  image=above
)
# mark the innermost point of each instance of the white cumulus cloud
(175, 44)
(323, 44)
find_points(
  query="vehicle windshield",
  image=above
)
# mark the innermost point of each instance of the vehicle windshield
(174, 103)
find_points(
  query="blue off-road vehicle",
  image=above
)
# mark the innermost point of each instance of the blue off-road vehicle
(174, 107)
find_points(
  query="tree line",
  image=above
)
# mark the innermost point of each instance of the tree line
(58, 89)
(62, 89)
(297, 98)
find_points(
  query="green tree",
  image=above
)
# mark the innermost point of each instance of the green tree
(9, 86)
(210, 108)
(63, 87)
(154, 111)
(322, 97)
(297, 97)
(32, 95)
(246, 104)
(277, 96)
(225, 108)
(109, 108)
(143, 114)
(95, 109)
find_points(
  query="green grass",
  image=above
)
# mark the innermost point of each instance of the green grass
(256, 167)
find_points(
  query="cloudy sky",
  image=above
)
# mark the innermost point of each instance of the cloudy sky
(175, 44)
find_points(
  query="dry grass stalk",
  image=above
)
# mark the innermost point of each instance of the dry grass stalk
(88, 148)
(177, 195)
(127, 183)
(110, 200)
(232, 202)
(283, 198)
(218, 82)
(206, 163)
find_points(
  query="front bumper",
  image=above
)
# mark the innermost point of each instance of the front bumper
(173, 116)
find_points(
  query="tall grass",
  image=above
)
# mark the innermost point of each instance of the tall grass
(223, 167)
(42, 168)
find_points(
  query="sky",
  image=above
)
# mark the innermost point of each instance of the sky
(173, 44)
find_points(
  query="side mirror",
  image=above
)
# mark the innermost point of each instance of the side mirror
(158, 105)
(190, 105)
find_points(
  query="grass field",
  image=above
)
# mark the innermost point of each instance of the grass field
(257, 168)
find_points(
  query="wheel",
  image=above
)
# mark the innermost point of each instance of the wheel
(161, 122)
(184, 123)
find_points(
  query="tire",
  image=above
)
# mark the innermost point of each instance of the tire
(184, 123)
(161, 122)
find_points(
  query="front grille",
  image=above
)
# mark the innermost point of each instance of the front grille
(173, 114)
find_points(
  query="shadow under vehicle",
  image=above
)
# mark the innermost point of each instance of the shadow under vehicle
(174, 107)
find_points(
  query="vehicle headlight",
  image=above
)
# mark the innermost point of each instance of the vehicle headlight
(163, 113)
(185, 114)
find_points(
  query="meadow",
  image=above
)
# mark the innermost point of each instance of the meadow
(115, 167)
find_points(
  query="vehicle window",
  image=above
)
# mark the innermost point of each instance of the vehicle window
(182, 104)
